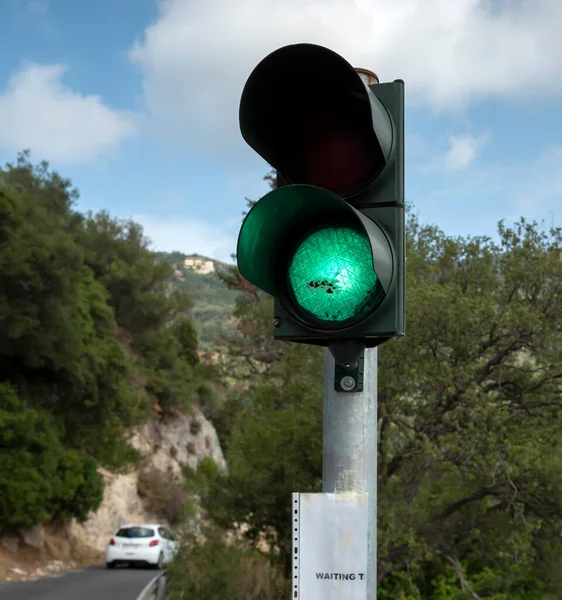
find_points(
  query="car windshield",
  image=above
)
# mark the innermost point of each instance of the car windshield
(135, 532)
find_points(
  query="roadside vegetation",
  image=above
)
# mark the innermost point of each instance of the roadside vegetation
(95, 334)
(91, 338)
(470, 455)
(209, 567)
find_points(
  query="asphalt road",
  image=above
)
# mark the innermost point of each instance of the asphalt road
(94, 583)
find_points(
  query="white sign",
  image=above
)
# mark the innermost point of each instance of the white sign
(330, 546)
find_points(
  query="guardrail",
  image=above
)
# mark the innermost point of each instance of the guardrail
(155, 589)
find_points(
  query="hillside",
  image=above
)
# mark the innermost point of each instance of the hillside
(94, 349)
(214, 302)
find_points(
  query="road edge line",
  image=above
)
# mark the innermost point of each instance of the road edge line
(148, 587)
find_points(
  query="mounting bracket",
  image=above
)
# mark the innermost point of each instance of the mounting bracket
(349, 379)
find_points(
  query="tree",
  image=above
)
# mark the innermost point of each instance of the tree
(469, 419)
(118, 254)
(479, 369)
(249, 351)
(275, 444)
(58, 339)
(40, 479)
(91, 336)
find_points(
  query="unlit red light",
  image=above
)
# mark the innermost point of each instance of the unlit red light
(335, 154)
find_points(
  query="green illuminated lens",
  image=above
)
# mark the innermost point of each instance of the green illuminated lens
(331, 275)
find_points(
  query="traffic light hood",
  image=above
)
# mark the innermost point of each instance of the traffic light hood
(295, 99)
(276, 223)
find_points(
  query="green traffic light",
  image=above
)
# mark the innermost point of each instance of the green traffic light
(332, 277)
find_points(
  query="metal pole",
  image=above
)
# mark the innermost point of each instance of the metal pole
(350, 447)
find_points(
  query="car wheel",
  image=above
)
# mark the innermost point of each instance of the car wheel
(160, 563)
(110, 565)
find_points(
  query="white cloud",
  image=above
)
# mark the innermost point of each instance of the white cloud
(463, 149)
(39, 113)
(196, 56)
(168, 234)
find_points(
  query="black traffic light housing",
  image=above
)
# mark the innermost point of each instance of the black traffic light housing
(337, 145)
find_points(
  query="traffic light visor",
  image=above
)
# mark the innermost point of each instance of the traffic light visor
(308, 113)
(316, 244)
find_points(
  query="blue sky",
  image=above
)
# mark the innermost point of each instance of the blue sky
(136, 101)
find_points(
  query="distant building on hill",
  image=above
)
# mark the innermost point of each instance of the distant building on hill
(199, 265)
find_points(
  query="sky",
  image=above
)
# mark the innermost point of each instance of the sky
(136, 101)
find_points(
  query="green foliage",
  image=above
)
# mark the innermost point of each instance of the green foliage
(213, 301)
(40, 479)
(470, 477)
(459, 474)
(199, 481)
(171, 365)
(275, 442)
(225, 416)
(91, 336)
(446, 584)
(212, 568)
(79, 486)
(58, 333)
(117, 253)
(186, 336)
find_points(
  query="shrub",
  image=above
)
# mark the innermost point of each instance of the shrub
(199, 480)
(40, 479)
(162, 495)
(211, 568)
(80, 486)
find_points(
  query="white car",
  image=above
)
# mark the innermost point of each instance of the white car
(148, 544)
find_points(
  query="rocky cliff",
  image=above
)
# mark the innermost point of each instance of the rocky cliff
(166, 445)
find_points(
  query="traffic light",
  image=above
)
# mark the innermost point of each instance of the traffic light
(328, 243)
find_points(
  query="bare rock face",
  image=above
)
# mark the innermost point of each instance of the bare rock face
(180, 441)
(34, 537)
(121, 504)
(167, 445)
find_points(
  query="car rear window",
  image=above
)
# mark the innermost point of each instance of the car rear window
(135, 532)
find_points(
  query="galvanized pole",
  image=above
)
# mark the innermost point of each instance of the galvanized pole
(350, 447)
